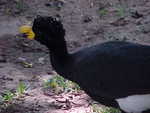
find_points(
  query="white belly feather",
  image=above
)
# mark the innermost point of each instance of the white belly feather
(134, 103)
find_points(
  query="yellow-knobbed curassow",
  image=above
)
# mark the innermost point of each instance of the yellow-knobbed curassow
(114, 73)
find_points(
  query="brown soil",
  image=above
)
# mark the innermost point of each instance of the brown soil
(87, 22)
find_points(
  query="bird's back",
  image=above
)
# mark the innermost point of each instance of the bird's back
(113, 66)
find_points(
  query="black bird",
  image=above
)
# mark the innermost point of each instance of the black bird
(114, 73)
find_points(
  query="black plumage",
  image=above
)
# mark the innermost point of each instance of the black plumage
(106, 71)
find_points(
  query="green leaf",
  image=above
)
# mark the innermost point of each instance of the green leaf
(8, 96)
(21, 88)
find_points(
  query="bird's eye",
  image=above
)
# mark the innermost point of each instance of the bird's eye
(39, 32)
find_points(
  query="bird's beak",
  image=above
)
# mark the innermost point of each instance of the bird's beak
(27, 31)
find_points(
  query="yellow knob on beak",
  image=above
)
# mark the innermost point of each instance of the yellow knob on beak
(27, 30)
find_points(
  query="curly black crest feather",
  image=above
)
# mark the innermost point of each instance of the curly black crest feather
(48, 30)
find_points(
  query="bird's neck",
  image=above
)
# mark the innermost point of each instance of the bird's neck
(59, 53)
(60, 58)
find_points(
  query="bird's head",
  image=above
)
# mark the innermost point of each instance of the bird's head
(47, 30)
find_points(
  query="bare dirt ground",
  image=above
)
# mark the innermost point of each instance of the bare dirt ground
(87, 22)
